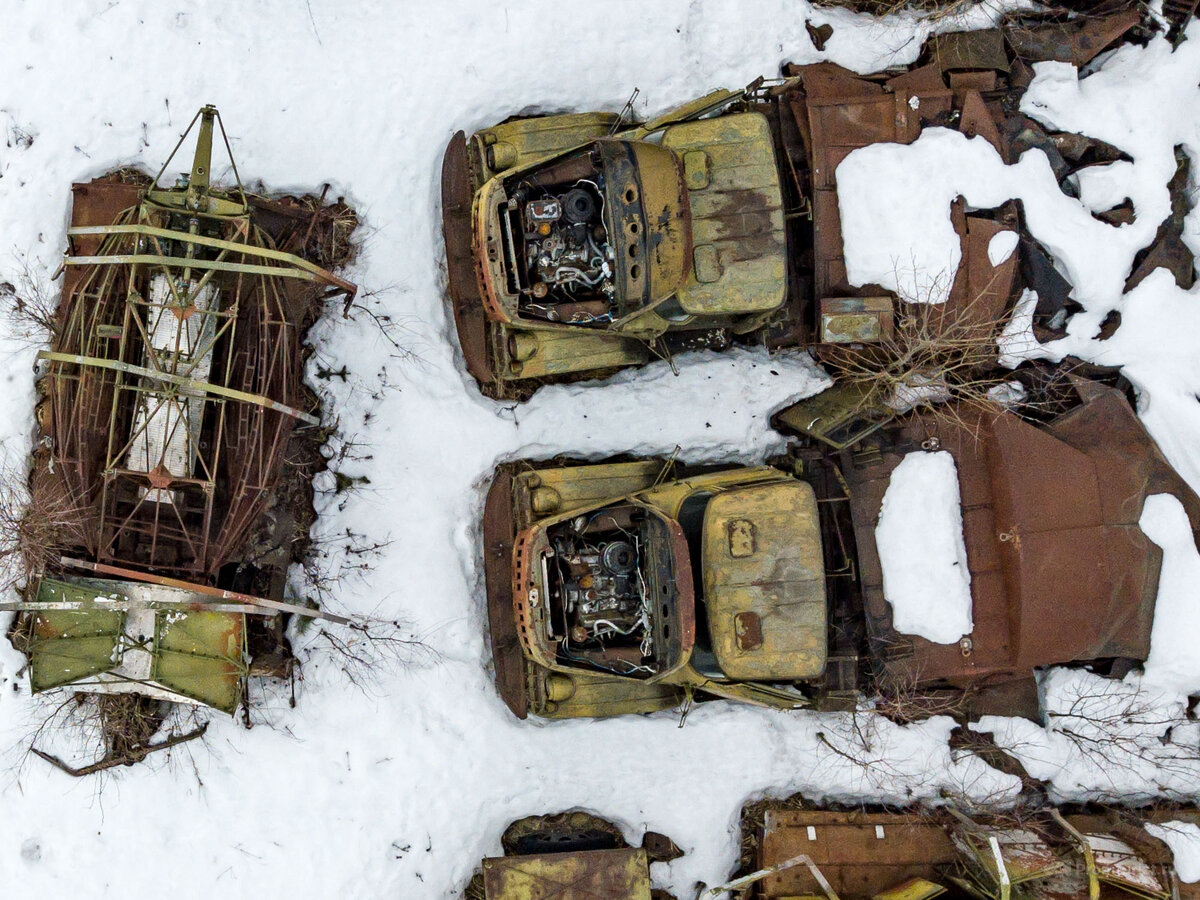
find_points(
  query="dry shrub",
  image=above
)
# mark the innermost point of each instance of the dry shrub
(30, 304)
(933, 9)
(33, 534)
(942, 358)
(123, 725)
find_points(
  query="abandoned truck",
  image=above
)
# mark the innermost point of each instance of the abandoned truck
(924, 853)
(579, 244)
(170, 397)
(619, 588)
(570, 855)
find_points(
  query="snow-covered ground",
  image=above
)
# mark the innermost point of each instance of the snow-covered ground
(395, 787)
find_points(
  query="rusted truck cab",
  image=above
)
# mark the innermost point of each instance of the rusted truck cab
(613, 590)
(572, 249)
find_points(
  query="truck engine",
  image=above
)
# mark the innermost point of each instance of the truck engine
(560, 245)
(599, 598)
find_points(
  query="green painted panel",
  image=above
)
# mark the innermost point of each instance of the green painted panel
(200, 655)
(68, 646)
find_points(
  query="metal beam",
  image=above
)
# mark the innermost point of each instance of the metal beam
(204, 386)
(216, 243)
(150, 259)
(233, 596)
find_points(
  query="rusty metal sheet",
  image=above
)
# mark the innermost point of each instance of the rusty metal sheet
(590, 875)
(508, 661)
(463, 286)
(978, 120)
(1059, 569)
(982, 49)
(1167, 250)
(1077, 41)
(861, 854)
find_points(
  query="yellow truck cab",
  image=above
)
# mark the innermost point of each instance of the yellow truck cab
(574, 245)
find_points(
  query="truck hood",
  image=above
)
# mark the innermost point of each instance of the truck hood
(764, 582)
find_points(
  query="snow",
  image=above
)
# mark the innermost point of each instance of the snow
(1016, 342)
(394, 782)
(1184, 840)
(921, 549)
(1173, 664)
(1001, 246)
(396, 785)
(1104, 739)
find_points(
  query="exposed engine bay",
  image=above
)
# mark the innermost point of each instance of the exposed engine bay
(557, 248)
(603, 572)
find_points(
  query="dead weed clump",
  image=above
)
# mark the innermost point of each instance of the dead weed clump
(33, 535)
(123, 725)
(941, 358)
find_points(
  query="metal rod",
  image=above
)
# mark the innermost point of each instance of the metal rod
(801, 860)
(221, 391)
(234, 596)
(217, 243)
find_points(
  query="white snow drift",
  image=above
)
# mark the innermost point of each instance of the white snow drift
(921, 549)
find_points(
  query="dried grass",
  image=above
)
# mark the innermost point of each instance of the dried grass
(941, 358)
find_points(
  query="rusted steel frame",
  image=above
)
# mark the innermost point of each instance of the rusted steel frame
(164, 397)
(191, 482)
(198, 552)
(246, 500)
(207, 387)
(220, 593)
(225, 246)
(118, 381)
(149, 259)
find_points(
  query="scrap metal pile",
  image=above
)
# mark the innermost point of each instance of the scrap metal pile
(791, 851)
(582, 243)
(170, 396)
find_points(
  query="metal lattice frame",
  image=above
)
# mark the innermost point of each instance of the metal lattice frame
(221, 400)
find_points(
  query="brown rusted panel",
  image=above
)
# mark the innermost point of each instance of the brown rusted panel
(977, 120)
(961, 82)
(463, 286)
(507, 659)
(1060, 572)
(1076, 41)
(839, 112)
(848, 850)
(958, 50)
